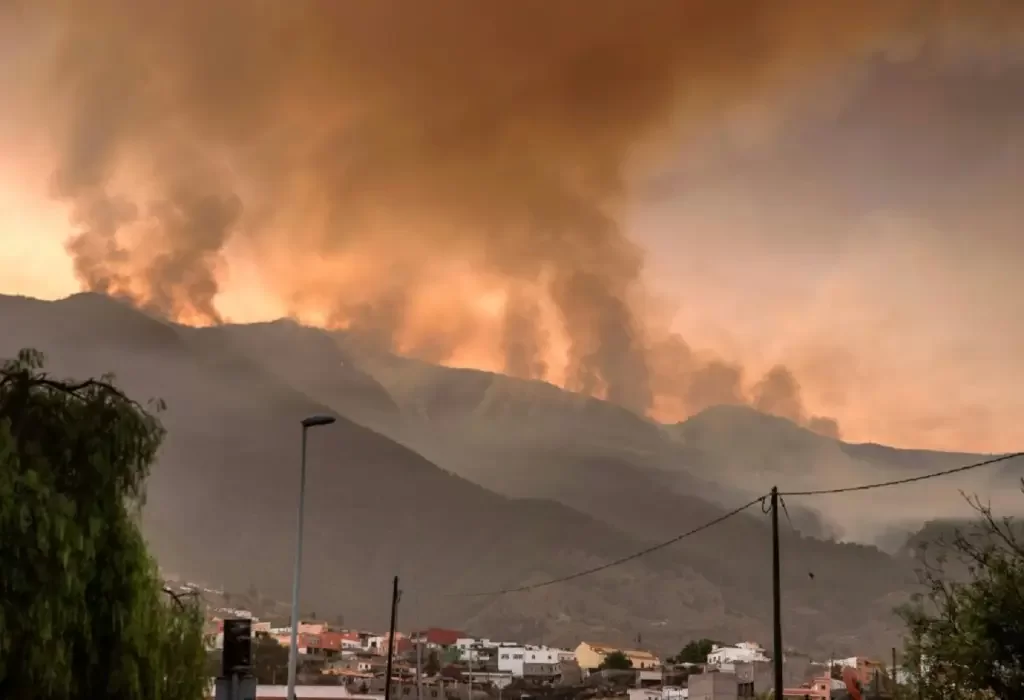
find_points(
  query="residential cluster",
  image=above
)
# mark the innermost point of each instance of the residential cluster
(446, 664)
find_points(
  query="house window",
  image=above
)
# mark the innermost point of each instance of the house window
(505, 656)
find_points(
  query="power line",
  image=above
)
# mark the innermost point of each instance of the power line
(617, 562)
(726, 516)
(908, 480)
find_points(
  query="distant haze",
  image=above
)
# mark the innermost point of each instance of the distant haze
(811, 208)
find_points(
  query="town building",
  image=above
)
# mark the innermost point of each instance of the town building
(477, 651)
(280, 692)
(744, 651)
(362, 663)
(666, 693)
(438, 638)
(532, 662)
(717, 685)
(312, 627)
(867, 670)
(590, 656)
(817, 689)
(499, 679)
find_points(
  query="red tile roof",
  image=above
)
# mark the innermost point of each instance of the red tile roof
(441, 637)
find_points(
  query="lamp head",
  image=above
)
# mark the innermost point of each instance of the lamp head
(313, 421)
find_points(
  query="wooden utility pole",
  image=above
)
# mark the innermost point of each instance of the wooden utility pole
(894, 679)
(469, 659)
(419, 669)
(776, 595)
(391, 639)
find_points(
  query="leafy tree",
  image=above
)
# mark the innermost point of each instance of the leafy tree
(432, 667)
(966, 631)
(615, 661)
(213, 663)
(269, 659)
(83, 611)
(695, 652)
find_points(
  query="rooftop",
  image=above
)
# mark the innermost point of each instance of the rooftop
(631, 653)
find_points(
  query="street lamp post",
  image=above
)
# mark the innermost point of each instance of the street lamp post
(293, 649)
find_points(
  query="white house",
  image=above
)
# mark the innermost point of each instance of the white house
(514, 658)
(668, 693)
(742, 652)
(565, 655)
(472, 649)
(510, 658)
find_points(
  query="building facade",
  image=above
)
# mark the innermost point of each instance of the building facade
(742, 652)
(590, 656)
(528, 661)
(715, 686)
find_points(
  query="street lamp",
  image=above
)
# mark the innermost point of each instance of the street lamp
(293, 650)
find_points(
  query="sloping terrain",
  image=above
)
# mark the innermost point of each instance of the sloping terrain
(741, 445)
(530, 439)
(581, 483)
(221, 502)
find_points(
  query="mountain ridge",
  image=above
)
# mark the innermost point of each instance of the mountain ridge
(500, 483)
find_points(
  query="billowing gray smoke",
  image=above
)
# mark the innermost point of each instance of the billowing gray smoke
(357, 149)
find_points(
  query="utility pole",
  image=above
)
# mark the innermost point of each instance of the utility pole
(777, 595)
(419, 669)
(391, 639)
(639, 647)
(894, 681)
(469, 654)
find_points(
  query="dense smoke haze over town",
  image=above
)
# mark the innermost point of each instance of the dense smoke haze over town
(704, 203)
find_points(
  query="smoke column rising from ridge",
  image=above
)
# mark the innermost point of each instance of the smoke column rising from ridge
(371, 155)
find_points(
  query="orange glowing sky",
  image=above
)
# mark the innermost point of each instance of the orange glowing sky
(872, 244)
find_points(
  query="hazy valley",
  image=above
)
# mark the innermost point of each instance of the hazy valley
(462, 482)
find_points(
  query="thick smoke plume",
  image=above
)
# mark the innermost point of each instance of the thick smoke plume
(434, 175)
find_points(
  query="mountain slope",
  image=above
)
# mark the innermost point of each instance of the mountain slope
(221, 500)
(529, 439)
(740, 445)
(583, 484)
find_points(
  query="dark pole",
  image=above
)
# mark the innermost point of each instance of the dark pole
(391, 639)
(776, 596)
(894, 681)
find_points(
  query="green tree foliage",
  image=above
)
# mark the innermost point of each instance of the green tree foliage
(695, 652)
(966, 631)
(432, 667)
(269, 660)
(83, 613)
(616, 661)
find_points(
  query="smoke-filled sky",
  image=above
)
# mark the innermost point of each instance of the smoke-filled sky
(813, 207)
